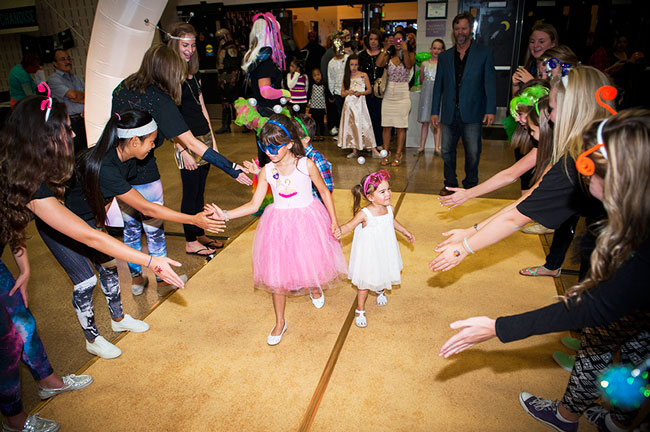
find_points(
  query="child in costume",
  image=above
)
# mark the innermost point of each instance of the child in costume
(308, 126)
(375, 260)
(295, 250)
(355, 130)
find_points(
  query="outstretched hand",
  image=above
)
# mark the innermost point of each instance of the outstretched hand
(458, 197)
(455, 236)
(252, 167)
(450, 256)
(162, 267)
(474, 331)
(214, 212)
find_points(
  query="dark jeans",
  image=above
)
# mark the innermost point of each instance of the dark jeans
(374, 108)
(319, 117)
(192, 202)
(471, 133)
(562, 238)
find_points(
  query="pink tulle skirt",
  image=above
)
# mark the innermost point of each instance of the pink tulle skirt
(294, 251)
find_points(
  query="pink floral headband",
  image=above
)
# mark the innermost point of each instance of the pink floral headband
(374, 179)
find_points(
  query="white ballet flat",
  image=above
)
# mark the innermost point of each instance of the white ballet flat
(318, 302)
(360, 320)
(274, 340)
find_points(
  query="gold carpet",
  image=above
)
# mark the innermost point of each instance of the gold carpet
(205, 365)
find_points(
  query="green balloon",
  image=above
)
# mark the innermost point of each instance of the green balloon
(422, 56)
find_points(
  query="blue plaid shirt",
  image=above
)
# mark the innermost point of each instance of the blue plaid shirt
(323, 165)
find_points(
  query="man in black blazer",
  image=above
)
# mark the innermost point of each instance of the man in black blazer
(465, 84)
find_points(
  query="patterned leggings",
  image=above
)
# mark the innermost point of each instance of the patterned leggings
(18, 339)
(135, 222)
(74, 258)
(598, 347)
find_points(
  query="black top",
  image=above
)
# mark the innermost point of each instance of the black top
(163, 110)
(368, 64)
(191, 107)
(626, 292)
(559, 196)
(459, 69)
(266, 69)
(114, 180)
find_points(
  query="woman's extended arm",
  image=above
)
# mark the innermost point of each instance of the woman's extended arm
(56, 215)
(138, 202)
(497, 181)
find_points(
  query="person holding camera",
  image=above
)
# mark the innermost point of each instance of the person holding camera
(399, 59)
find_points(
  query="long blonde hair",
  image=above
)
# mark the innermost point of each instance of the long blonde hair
(626, 181)
(576, 109)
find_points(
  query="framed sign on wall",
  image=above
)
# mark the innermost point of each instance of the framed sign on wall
(436, 9)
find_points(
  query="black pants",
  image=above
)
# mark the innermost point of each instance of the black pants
(319, 117)
(374, 108)
(333, 117)
(562, 238)
(192, 202)
(79, 127)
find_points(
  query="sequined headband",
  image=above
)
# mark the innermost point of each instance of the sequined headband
(374, 179)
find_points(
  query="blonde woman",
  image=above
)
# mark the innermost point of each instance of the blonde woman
(553, 200)
(618, 150)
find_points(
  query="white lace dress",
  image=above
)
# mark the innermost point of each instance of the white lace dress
(355, 130)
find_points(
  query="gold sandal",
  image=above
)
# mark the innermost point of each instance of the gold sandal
(386, 160)
(397, 161)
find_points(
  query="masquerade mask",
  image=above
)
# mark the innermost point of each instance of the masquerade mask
(584, 165)
(46, 105)
(554, 62)
(528, 97)
(338, 46)
(273, 149)
(374, 179)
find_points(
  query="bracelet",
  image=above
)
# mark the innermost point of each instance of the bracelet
(467, 246)
(476, 227)
(150, 258)
(225, 213)
(184, 148)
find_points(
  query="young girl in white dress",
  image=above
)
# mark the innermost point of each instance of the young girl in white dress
(375, 260)
(355, 130)
(427, 78)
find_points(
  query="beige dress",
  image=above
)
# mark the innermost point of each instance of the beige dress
(396, 105)
(355, 130)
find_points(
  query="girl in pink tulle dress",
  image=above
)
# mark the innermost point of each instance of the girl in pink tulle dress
(294, 251)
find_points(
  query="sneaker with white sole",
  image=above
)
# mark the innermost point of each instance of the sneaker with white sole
(34, 423)
(103, 348)
(571, 343)
(138, 289)
(129, 323)
(71, 382)
(565, 360)
(545, 411)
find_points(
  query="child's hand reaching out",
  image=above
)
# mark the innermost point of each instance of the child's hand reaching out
(252, 167)
(409, 236)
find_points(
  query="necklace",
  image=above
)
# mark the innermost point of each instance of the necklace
(192, 91)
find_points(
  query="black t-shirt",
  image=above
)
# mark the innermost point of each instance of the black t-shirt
(367, 64)
(266, 69)
(114, 180)
(626, 292)
(459, 69)
(163, 110)
(559, 196)
(191, 107)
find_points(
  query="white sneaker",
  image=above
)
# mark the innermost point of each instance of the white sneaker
(334, 131)
(103, 348)
(129, 323)
(318, 302)
(274, 340)
(71, 382)
(34, 423)
(138, 289)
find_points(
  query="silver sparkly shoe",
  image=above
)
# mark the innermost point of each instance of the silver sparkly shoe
(71, 382)
(34, 423)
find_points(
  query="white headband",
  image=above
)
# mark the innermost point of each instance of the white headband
(193, 38)
(137, 132)
(599, 137)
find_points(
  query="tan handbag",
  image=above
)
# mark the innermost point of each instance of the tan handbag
(205, 139)
(379, 87)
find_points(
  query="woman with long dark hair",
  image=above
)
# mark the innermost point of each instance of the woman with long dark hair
(35, 163)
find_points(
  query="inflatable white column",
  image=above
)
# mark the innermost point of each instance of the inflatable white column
(118, 42)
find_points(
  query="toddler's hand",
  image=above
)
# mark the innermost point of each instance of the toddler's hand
(336, 231)
(410, 237)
